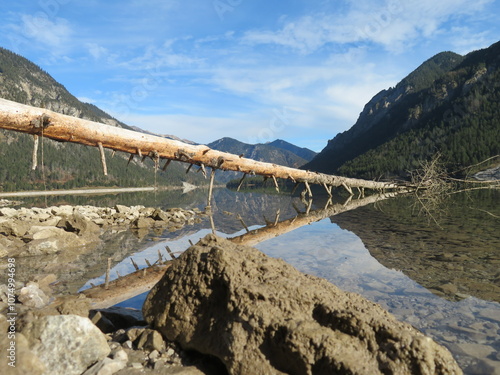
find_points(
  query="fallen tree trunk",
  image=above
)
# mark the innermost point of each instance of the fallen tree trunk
(49, 124)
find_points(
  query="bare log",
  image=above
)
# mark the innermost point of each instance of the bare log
(39, 121)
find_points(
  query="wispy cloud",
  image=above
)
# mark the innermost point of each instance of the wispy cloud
(55, 33)
(389, 23)
(155, 57)
(202, 129)
(96, 51)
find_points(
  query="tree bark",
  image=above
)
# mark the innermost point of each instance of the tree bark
(38, 121)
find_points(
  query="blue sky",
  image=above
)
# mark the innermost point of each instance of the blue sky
(255, 70)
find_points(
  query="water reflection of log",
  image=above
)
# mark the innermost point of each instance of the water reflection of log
(125, 287)
(277, 229)
(143, 280)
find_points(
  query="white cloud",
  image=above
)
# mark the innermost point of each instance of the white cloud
(200, 129)
(86, 99)
(155, 57)
(55, 33)
(390, 23)
(96, 51)
(465, 40)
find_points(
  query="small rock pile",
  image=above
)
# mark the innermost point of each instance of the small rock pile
(42, 231)
(64, 336)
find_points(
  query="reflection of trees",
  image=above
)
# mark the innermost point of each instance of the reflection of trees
(253, 208)
(455, 259)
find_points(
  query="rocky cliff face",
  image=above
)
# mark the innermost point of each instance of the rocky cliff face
(380, 110)
(449, 105)
(24, 82)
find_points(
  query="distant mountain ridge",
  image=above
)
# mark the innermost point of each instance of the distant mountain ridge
(301, 152)
(449, 104)
(278, 152)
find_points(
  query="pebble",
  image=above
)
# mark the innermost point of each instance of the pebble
(476, 350)
(136, 365)
(154, 354)
(127, 344)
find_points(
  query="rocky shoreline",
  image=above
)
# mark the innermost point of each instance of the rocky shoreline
(107, 341)
(43, 231)
(220, 308)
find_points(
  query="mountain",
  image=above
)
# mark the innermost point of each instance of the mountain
(24, 82)
(302, 152)
(282, 154)
(66, 165)
(168, 136)
(449, 105)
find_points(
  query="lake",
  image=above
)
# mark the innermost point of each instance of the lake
(432, 264)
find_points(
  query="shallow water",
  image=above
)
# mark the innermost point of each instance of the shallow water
(439, 273)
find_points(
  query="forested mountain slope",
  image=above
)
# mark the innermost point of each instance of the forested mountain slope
(449, 105)
(66, 165)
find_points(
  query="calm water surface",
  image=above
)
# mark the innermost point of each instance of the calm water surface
(439, 273)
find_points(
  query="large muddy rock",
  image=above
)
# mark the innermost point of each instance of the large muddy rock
(260, 315)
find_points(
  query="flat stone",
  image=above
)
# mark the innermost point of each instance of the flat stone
(123, 317)
(122, 209)
(448, 288)
(143, 222)
(109, 366)
(8, 212)
(41, 232)
(491, 314)
(13, 227)
(160, 215)
(476, 350)
(45, 281)
(50, 240)
(64, 210)
(151, 340)
(102, 322)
